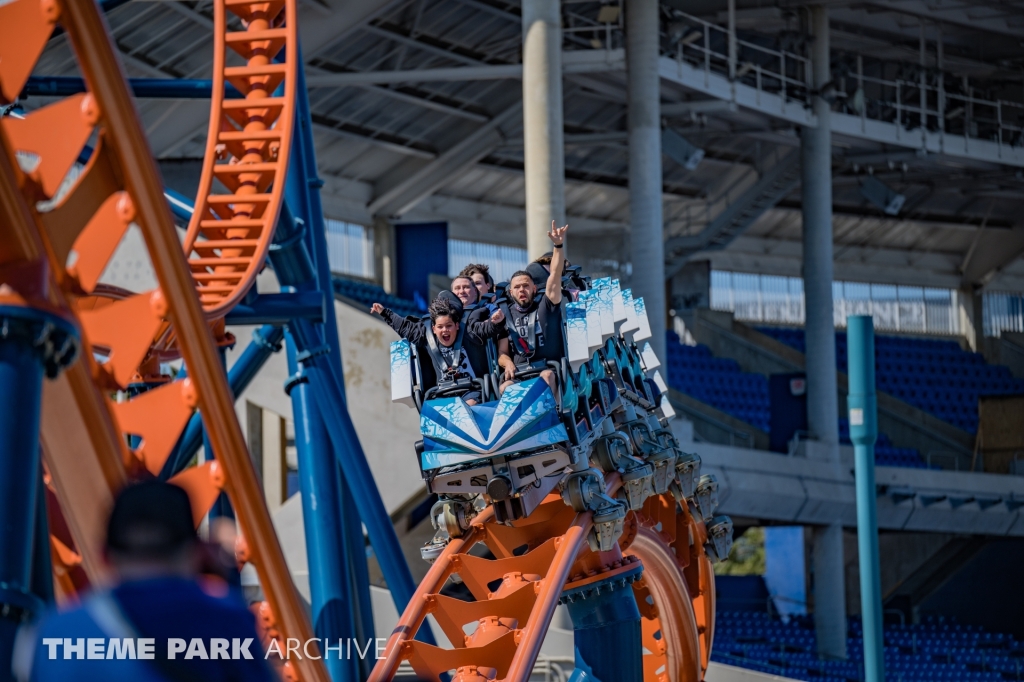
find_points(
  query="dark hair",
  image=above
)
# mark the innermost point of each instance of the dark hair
(474, 268)
(520, 273)
(151, 520)
(545, 259)
(442, 307)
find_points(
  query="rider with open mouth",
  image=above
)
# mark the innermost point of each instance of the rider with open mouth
(453, 358)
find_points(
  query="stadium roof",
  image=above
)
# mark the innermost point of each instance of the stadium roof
(446, 143)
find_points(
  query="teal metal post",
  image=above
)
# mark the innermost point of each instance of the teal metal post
(863, 413)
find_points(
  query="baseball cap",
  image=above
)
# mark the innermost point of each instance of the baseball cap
(151, 519)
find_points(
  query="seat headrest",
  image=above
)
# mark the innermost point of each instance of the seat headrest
(453, 299)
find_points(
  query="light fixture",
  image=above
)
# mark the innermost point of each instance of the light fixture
(680, 150)
(881, 195)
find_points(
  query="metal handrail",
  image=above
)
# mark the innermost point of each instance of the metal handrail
(705, 54)
(956, 457)
(910, 97)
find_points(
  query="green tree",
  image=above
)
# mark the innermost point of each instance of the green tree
(746, 556)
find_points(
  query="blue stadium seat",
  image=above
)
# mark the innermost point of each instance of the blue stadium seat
(926, 652)
(956, 378)
(721, 383)
(368, 294)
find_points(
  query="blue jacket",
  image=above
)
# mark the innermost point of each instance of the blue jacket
(158, 609)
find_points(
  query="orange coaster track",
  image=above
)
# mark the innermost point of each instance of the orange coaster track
(229, 233)
(538, 557)
(126, 335)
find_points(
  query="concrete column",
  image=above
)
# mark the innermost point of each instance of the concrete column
(251, 415)
(816, 183)
(384, 254)
(544, 150)
(829, 591)
(972, 320)
(822, 396)
(645, 200)
(275, 460)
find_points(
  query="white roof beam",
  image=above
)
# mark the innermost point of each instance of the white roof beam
(586, 61)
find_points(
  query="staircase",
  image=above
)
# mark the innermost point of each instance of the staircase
(770, 189)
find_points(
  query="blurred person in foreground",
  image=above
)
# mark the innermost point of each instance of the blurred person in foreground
(155, 556)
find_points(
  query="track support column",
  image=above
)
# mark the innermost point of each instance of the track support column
(645, 200)
(606, 625)
(33, 343)
(303, 190)
(544, 150)
(319, 485)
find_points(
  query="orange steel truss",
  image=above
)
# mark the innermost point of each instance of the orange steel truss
(84, 431)
(538, 557)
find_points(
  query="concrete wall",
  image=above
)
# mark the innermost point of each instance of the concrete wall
(1007, 349)
(386, 431)
(986, 591)
(902, 555)
(691, 286)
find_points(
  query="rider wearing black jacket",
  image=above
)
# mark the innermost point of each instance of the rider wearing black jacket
(455, 350)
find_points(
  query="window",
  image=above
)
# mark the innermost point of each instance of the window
(780, 300)
(502, 260)
(1003, 312)
(349, 248)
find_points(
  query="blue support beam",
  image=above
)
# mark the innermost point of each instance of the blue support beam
(143, 88)
(863, 413)
(265, 342)
(277, 309)
(181, 206)
(42, 565)
(30, 345)
(299, 258)
(307, 187)
(322, 520)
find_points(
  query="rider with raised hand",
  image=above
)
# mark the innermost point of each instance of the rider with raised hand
(448, 346)
(535, 323)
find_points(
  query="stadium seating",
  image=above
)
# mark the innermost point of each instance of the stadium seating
(368, 294)
(936, 376)
(719, 382)
(935, 650)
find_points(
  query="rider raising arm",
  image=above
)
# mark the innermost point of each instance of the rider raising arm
(553, 290)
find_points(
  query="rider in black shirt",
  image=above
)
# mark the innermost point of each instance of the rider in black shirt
(535, 323)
